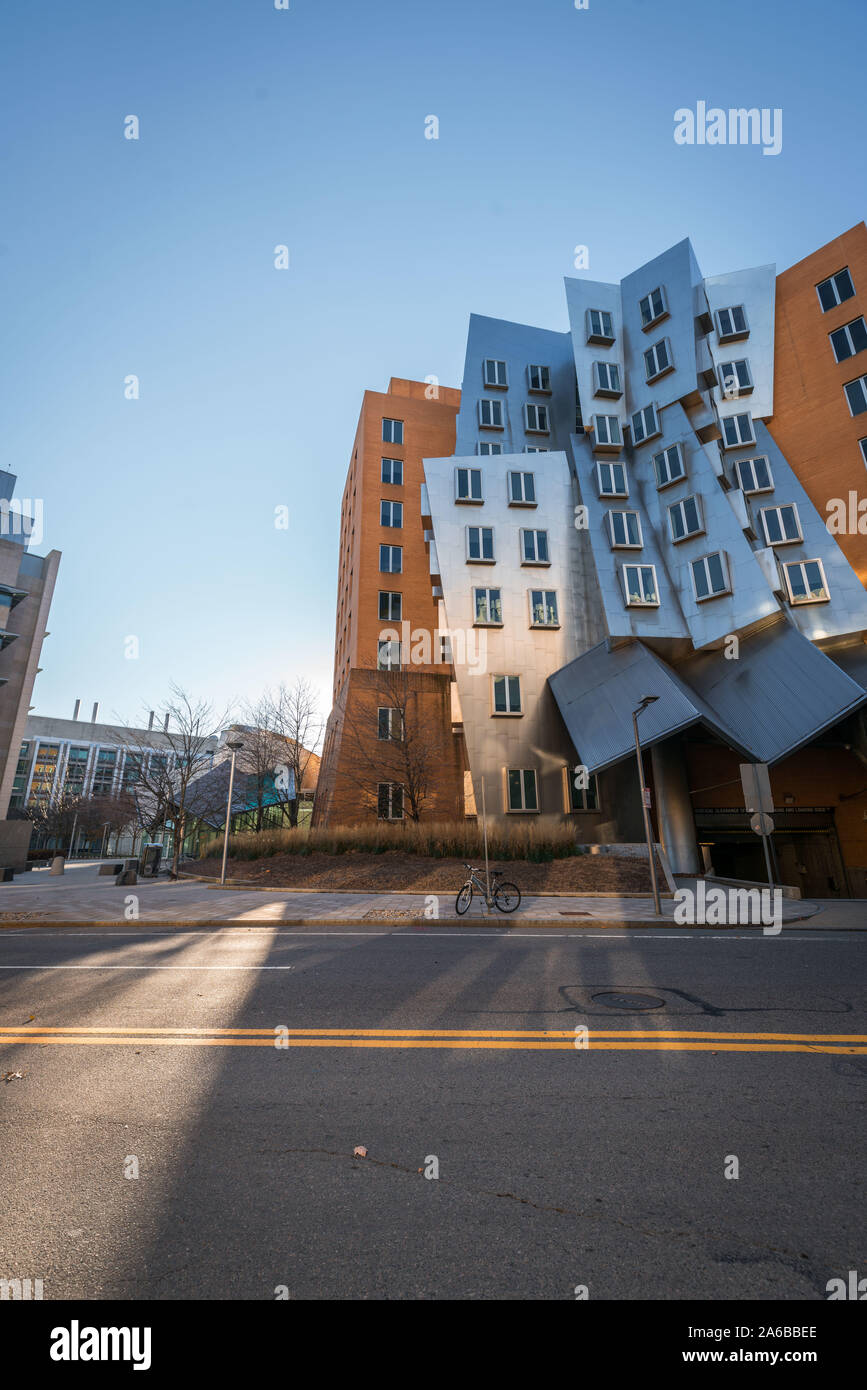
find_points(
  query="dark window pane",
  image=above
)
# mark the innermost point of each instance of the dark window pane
(717, 580)
(845, 288)
(514, 791)
(827, 296)
(840, 343)
(859, 334)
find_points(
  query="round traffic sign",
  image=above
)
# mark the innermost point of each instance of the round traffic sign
(762, 823)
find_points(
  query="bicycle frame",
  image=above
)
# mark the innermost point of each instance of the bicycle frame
(480, 888)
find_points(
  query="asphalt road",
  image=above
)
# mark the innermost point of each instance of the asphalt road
(559, 1166)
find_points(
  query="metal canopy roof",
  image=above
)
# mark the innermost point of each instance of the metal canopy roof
(778, 694)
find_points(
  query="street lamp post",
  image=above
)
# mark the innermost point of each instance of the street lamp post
(234, 744)
(105, 829)
(648, 834)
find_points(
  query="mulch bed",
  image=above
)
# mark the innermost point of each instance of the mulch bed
(394, 872)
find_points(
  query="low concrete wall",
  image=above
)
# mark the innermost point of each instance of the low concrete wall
(14, 843)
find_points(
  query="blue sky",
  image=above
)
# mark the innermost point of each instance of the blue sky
(305, 127)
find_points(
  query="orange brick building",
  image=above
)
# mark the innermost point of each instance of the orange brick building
(820, 426)
(385, 597)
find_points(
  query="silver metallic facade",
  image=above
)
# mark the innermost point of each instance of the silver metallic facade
(686, 556)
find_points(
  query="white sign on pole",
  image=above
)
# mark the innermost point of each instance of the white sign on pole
(756, 783)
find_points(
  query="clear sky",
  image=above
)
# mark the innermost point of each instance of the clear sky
(305, 127)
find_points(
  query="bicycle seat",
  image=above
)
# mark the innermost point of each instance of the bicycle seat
(497, 873)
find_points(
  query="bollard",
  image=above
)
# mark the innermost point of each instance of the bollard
(57, 864)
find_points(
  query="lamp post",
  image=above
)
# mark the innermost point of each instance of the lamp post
(234, 744)
(648, 835)
(105, 829)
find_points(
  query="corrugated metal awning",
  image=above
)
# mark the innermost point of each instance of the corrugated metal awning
(778, 694)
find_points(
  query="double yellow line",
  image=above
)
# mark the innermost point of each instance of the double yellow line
(528, 1040)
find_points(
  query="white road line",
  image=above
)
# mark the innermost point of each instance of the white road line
(147, 967)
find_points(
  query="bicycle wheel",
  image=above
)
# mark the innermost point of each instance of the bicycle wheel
(507, 897)
(464, 898)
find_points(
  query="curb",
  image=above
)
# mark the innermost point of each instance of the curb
(499, 925)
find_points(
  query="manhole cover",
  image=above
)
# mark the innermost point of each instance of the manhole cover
(613, 999)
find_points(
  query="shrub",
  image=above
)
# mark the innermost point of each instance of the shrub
(431, 840)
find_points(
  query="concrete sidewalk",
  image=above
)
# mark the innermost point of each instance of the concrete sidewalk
(81, 896)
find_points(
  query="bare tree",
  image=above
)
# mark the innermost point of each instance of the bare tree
(116, 811)
(294, 717)
(166, 778)
(388, 740)
(264, 754)
(55, 817)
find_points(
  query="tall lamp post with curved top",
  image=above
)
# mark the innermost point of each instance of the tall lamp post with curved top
(645, 806)
(234, 744)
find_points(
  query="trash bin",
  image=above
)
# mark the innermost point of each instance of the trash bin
(150, 859)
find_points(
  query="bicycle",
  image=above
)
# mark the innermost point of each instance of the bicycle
(505, 896)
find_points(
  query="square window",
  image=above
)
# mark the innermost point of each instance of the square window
(624, 530)
(468, 485)
(652, 307)
(390, 559)
(781, 525)
(710, 576)
(735, 379)
(582, 798)
(539, 379)
(390, 607)
(490, 414)
(606, 432)
(488, 447)
(521, 789)
(534, 548)
(388, 654)
(536, 419)
(737, 431)
(391, 514)
(506, 694)
(732, 323)
(480, 544)
(392, 472)
(849, 339)
(754, 475)
(606, 379)
(645, 424)
(392, 431)
(611, 479)
(684, 519)
(639, 586)
(658, 360)
(495, 373)
(389, 724)
(521, 489)
(487, 607)
(600, 326)
(389, 801)
(835, 290)
(543, 608)
(805, 581)
(669, 466)
(856, 395)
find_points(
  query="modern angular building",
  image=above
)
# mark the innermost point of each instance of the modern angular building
(630, 511)
(26, 588)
